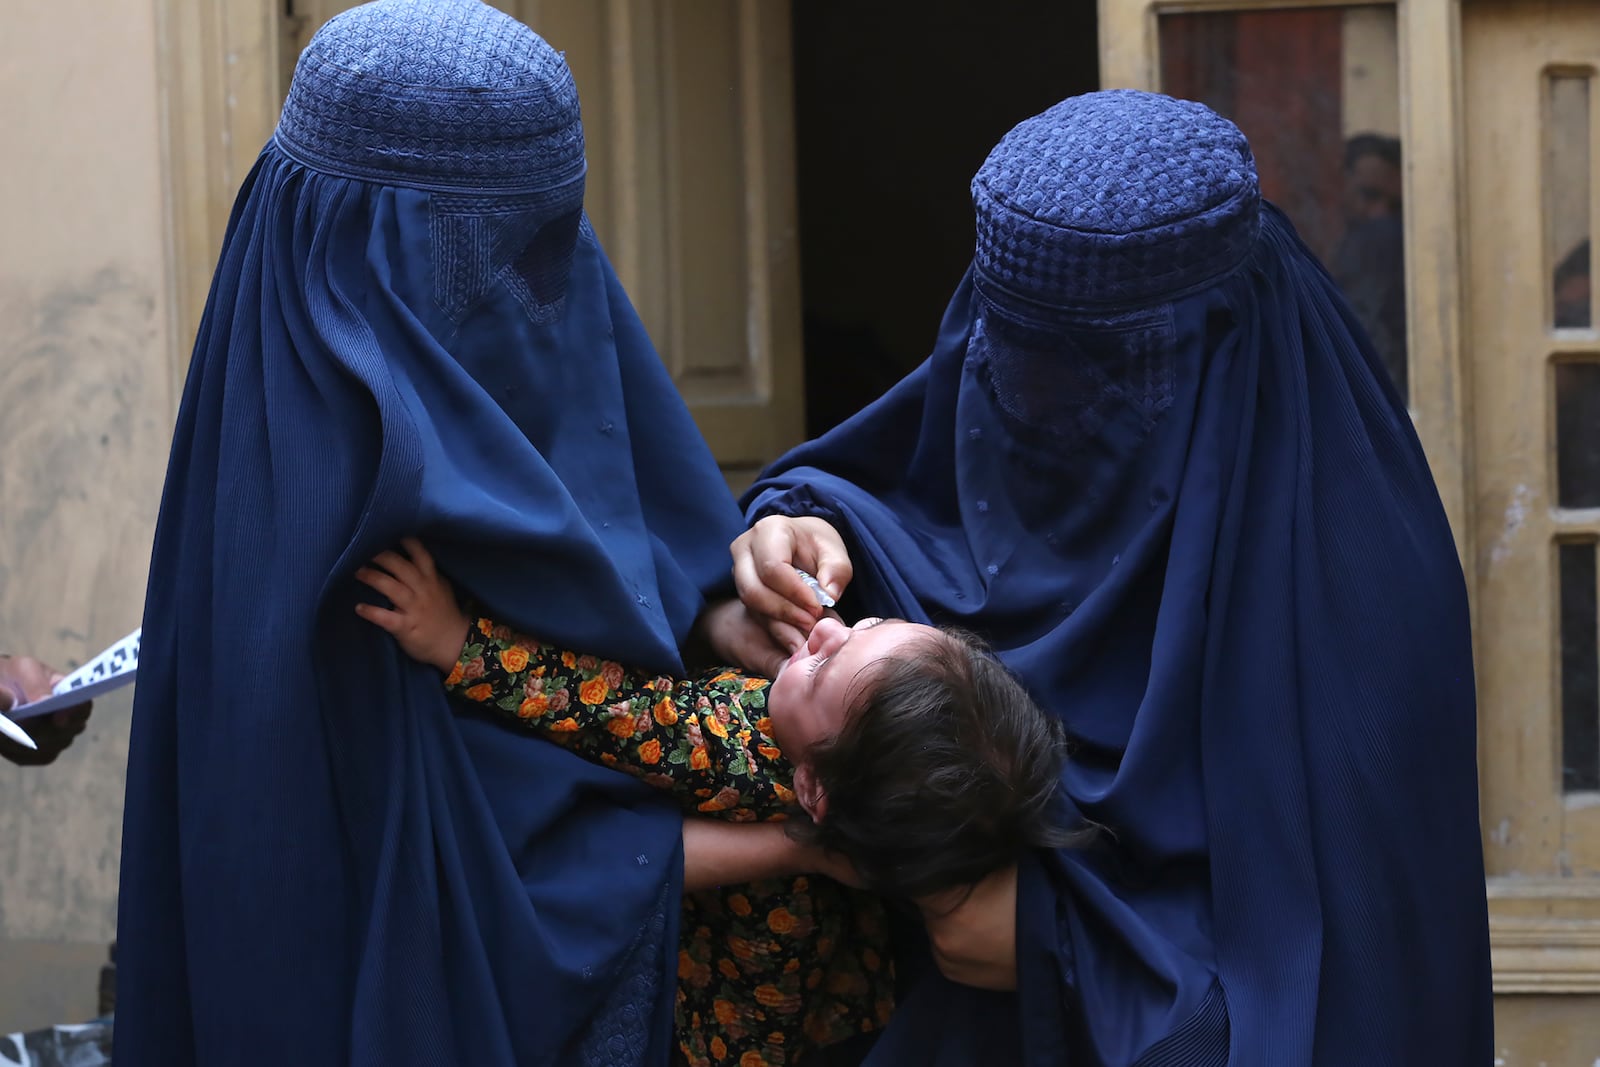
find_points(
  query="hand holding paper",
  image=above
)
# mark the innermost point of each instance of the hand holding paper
(24, 679)
(112, 669)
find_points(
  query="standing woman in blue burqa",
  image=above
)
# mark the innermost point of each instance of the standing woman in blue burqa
(412, 330)
(1157, 463)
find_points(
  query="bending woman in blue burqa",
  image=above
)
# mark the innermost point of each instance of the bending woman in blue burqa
(1155, 461)
(412, 330)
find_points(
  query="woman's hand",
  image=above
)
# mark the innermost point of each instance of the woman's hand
(717, 853)
(737, 637)
(426, 620)
(975, 939)
(23, 680)
(764, 561)
(833, 865)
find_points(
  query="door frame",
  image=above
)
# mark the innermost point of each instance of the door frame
(219, 78)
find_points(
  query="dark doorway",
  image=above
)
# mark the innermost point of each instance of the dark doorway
(896, 106)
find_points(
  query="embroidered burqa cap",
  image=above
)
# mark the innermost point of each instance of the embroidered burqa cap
(1114, 199)
(1154, 460)
(412, 330)
(450, 95)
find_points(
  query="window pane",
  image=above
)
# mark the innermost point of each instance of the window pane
(1317, 93)
(1566, 199)
(1580, 669)
(1578, 435)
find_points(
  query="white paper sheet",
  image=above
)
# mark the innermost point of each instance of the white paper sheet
(112, 669)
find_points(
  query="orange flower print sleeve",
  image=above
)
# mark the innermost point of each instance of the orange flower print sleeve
(767, 971)
(707, 740)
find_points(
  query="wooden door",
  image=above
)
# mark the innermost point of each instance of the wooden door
(1531, 149)
(1494, 106)
(688, 114)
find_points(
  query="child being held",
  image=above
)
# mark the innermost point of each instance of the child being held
(905, 749)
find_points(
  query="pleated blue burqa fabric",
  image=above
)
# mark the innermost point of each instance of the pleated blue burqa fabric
(412, 329)
(1154, 459)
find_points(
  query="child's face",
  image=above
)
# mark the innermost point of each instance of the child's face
(812, 694)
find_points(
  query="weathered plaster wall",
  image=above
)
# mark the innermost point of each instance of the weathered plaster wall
(85, 415)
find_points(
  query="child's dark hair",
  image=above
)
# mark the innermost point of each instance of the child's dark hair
(944, 772)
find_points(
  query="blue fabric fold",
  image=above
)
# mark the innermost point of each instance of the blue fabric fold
(323, 861)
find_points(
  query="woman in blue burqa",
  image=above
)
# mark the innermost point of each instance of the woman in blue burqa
(1156, 462)
(412, 331)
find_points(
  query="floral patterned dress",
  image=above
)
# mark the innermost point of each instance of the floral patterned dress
(766, 970)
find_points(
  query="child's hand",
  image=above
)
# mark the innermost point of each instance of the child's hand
(425, 619)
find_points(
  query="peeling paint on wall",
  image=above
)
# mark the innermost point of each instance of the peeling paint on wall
(1516, 515)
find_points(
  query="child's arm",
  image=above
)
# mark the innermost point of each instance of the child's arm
(704, 740)
(707, 740)
(428, 624)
